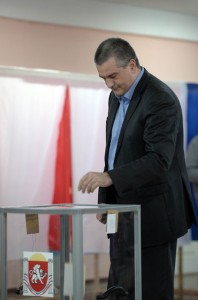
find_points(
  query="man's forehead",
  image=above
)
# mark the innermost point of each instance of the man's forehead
(108, 68)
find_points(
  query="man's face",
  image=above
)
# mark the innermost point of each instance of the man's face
(118, 79)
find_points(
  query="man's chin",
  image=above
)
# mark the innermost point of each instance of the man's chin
(118, 93)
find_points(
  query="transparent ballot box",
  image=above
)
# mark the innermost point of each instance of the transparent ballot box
(64, 252)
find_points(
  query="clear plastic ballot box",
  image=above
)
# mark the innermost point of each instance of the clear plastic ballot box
(24, 248)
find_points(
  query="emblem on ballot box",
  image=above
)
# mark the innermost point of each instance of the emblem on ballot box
(38, 274)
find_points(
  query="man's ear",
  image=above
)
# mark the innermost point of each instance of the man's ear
(132, 64)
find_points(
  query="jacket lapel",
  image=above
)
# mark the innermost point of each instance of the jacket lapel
(113, 107)
(132, 107)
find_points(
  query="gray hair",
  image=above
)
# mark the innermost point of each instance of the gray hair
(118, 48)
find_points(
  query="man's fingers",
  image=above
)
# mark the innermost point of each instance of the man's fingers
(92, 180)
(90, 185)
(86, 183)
(83, 183)
(102, 218)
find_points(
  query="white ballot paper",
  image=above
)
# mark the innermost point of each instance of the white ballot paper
(112, 221)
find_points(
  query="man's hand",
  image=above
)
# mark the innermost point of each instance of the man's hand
(102, 218)
(92, 180)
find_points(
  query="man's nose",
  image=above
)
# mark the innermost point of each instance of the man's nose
(109, 83)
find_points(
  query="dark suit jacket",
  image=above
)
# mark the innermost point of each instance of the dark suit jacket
(149, 167)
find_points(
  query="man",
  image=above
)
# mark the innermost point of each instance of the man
(144, 164)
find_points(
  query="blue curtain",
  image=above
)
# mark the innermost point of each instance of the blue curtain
(192, 130)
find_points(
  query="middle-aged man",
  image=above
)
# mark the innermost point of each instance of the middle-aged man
(144, 164)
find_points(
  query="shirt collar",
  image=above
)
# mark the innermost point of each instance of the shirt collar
(131, 90)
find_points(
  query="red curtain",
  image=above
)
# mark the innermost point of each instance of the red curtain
(63, 173)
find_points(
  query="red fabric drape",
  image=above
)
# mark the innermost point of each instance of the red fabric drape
(63, 173)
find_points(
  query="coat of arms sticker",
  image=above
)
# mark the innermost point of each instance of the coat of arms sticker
(38, 274)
